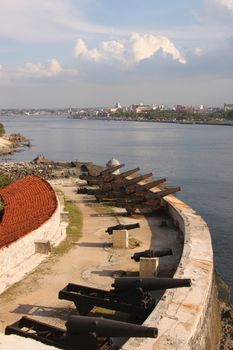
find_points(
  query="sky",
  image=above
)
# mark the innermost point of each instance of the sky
(87, 53)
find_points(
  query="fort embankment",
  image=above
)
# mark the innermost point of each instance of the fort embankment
(187, 318)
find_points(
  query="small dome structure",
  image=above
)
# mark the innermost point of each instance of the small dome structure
(113, 162)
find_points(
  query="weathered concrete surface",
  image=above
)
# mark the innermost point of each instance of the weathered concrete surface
(148, 267)
(14, 342)
(187, 318)
(120, 239)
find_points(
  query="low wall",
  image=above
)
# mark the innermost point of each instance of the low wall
(187, 318)
(18, 252)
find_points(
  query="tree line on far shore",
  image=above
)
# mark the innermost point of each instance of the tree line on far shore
(182, 115)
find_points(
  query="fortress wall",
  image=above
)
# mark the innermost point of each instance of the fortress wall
(16, 253)
(187, 318)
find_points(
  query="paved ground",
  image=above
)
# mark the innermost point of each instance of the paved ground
(91, 262)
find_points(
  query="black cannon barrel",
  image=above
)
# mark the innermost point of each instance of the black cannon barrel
(126, 173)
(143, 188)
(154, 183)
(107, 328)
(122, 227)
(111, 169)
(149, 283)
(138, 179)
(163, 193)
(151, 254)
(90, 191)
(102, 173)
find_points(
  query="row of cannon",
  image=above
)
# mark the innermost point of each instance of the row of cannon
(123, 192)
(128, 294)
(131, 295)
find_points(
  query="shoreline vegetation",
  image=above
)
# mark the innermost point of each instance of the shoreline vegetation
(173, 117)
(183, 116)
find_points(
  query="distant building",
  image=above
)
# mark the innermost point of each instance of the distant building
(182, 108)
(228, 107)
(117, 108)
(141, 108)
(113, 162)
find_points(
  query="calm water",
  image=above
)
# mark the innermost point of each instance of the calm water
(197, 158)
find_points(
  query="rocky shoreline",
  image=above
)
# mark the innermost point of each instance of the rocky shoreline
(46, 168)
(9, 143)
(226, 310)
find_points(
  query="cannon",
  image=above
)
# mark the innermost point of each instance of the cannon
(81, 333)
(135, 192)
(163, 193)
(129, 294)
(117, 179)
(108, 328)
(147, 196)
(93, 179)
(122, 227)
(124, 284)
(102, 172)
(151, 254)
(124, 187)
(149, 200)
(98, 193)
(132, 207)
(85, 298)
(106, 182)
(137, 179)
(142, 188)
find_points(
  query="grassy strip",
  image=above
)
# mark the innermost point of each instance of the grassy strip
(4, 180)
(2, 130)
(74, 229)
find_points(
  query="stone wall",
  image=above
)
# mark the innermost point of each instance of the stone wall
(17, 253)
(187, 318)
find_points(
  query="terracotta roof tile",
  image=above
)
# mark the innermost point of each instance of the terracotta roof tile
(28, 203)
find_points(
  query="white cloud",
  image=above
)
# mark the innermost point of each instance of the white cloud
(220, 10)
(131, 51)
(47, 20)
(225, 3)
(198, 51)
(146, 46)
(29, 70)
(1, 71)
(81, 50)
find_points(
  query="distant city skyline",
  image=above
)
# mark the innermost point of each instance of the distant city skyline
(88, 53)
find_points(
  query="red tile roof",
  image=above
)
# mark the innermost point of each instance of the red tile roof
(28, 203)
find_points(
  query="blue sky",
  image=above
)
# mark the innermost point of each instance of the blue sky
(57, 53)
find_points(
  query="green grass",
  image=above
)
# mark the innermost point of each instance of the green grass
(73, 231)
(4, 180)
(2, 130)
